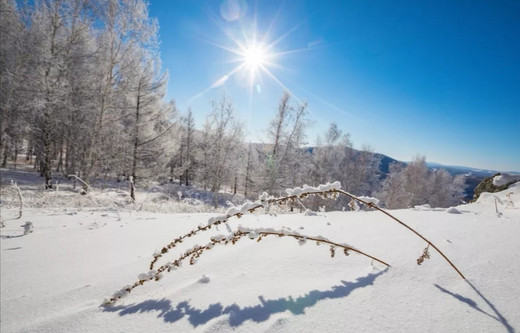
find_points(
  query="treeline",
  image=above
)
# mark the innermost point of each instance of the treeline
(82, 91)
(217, 158)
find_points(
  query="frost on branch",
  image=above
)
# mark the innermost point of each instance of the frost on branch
(369, 200)
(196, 251)
(298, 191)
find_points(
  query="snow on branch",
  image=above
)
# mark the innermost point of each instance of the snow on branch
(194, 253)
(329, 190)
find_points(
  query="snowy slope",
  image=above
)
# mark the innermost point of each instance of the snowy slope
(56, 278)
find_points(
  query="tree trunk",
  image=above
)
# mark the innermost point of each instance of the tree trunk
(3, 145)
(6, 154)
(60, 159)
(15, 153)
(136, 144)
(47, 151)
(248, 167)
(180, 176)
(28, 156)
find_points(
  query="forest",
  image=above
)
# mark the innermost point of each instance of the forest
(83, 93)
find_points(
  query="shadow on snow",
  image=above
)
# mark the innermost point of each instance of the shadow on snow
(499, 317)
(238, 315)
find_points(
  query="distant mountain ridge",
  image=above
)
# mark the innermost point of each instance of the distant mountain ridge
(457, 170)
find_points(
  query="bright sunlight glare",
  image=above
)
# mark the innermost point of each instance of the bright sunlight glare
(255, 56)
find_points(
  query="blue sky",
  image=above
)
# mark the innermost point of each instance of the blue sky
(436, 78)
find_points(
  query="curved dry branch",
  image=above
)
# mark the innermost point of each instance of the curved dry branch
(246, 208)
(291, 198)
(82, 181)
(195, 252)
(372, 205)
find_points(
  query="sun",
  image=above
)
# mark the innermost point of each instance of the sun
(255, 57)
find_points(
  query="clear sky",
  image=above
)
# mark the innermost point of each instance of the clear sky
(436, 78)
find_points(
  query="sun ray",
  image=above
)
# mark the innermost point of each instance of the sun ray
(255, 53)
(218, 83)
(275, 79)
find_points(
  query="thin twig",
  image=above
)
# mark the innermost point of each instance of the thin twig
(372, 205)
(81, 180)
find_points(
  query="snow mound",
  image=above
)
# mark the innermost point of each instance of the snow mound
(424, 207)
(504, 179)
(204, 279)
(453, 210)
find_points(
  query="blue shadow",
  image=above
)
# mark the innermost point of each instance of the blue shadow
(236, 314)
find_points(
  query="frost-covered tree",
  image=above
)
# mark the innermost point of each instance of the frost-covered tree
(416, 174)
(126, 27)
(221, 138)
(329, 155)
(80, 86)
(80, 60)
(12, 61)
(444, 189)
(364, 172)
(284, 160)
(182, 164)
(55, 32)
(394, 192)
(251, 170)
(148, 121)
(333, 158)
(415, 185)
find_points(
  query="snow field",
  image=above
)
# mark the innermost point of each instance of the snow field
(55, 279)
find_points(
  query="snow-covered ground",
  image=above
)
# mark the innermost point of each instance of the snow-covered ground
(56, 278)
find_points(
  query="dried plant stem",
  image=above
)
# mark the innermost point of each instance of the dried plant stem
(320, 240)
(195, 253)
(193, 232)
(292, 198)
(179, 240)
(372, 205)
